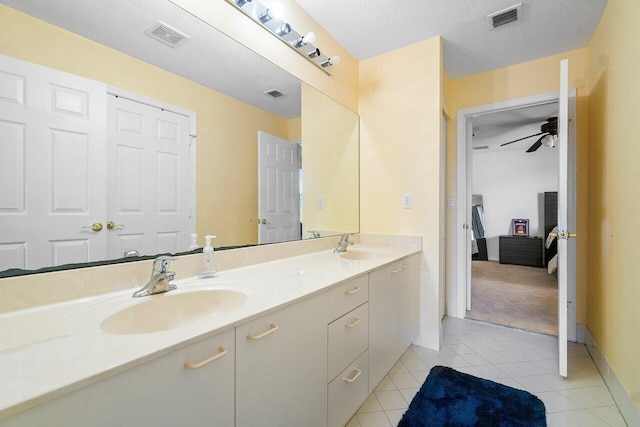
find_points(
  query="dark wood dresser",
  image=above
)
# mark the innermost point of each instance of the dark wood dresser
(521, 250)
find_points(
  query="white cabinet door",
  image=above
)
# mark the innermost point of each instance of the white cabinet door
(162, 392)
(409, 303)
(281, 367)
(383, 322)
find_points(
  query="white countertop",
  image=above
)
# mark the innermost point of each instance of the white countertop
(51, 350)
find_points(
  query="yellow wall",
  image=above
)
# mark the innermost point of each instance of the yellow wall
(227, 156)
(517, 81)
(400, 115)
(330, 161)
(614, 191)
(342, 85)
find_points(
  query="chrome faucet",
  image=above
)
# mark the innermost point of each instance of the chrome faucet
(343, 243)
(314, 234)
(160, 278)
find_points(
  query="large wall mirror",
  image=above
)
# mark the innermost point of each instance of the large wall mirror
(237, 125)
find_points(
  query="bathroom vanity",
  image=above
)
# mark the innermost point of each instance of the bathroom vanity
(303, 341)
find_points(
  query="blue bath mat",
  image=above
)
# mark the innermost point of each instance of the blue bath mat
(450, 398)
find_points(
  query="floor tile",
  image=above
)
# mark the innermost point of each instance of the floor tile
(391, 400)
(373, 419)
(394, 416)
(519, 359)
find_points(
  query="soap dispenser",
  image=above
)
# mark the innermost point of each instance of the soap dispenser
(194, 242)
(208, 264)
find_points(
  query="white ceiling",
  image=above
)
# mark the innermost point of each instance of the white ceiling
(367, 28)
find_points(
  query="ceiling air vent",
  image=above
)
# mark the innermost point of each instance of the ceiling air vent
(166, 34)
(274, 92)
(506, 16)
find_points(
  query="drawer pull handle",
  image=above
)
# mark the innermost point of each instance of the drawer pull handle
(354, 290)
(355, 377)
(274, 328)
(222, 352)
(354, 324)
(396, 270)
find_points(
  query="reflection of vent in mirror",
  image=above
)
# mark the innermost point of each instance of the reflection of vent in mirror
(274, 93)
(166, 34)
(482, 147)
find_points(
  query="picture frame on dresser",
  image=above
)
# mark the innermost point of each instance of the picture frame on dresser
(520, 227)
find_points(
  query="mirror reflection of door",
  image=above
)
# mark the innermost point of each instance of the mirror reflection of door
(278, 189)
(478, 231)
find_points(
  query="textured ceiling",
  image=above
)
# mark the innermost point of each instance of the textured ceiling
(210, 58)
(367, 28)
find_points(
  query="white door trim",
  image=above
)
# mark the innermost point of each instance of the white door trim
(457, 301)
(122, 93)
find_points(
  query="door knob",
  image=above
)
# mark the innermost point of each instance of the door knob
(264, 221)
(96, 226)
(111, 225)
(563, 234)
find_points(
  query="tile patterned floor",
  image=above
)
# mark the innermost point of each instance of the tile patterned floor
(519, 359)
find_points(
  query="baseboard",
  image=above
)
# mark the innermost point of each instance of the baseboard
(581, 333)
(429, 338)
(628, 409)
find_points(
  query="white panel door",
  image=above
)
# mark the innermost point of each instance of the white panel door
(148, 179)
(278, 189)
(52, 166)
(566, 215)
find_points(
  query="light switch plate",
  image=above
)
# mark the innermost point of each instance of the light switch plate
(451, 204)
(406, 201)
(320, 202)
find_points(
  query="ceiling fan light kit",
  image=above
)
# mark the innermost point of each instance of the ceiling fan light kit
(549, 138)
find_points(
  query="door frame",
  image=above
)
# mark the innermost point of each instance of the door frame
(141, 99)
(457, 303)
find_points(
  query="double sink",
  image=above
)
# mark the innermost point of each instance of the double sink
(124, 315)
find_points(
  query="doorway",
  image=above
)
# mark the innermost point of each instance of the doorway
(512, 172)
(462, 296)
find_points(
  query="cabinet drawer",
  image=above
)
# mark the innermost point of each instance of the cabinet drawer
(347, 296)
(348, 338)
(348, 391)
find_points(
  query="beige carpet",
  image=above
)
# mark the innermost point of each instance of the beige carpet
(514, 295)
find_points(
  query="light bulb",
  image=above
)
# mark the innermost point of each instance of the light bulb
(277, 11)
(308, 38)
(549, 140)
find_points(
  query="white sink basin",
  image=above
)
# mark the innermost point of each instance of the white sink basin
(365, 254)
(166, 311)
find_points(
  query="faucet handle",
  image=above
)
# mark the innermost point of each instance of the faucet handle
(161, 264)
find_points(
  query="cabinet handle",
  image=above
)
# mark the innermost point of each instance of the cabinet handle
(396, 270)
(355, 377)
(274, 328)
(222, 352)
(353, 291)
(354, 324)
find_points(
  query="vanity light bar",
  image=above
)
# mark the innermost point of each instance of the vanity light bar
(303, 44)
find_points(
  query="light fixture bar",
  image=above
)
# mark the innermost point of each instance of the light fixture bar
(303, 44)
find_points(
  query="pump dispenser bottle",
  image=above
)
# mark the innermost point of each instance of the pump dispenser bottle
(208, 264)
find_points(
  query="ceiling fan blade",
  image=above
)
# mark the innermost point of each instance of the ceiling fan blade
(536, 144)
(516, 140)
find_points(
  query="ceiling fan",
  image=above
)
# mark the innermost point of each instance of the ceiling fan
(549, 132)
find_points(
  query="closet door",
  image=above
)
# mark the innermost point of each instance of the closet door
(52, 166)
(148, 179)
